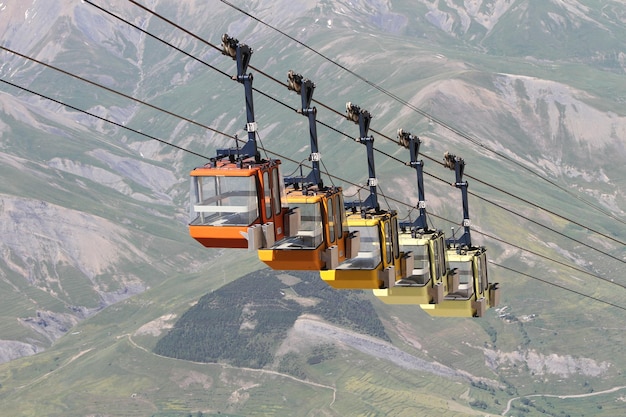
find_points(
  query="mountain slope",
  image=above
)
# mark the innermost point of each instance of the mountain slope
(86, 219)
(246, 328)
(93, 216)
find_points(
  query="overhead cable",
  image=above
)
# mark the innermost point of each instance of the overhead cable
(232, 137)
(286, 158)
(604, 235)
(558, 286)
(430, 117)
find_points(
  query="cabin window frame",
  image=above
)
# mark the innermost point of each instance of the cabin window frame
(331, 220)
(267, 195)
(276, 194)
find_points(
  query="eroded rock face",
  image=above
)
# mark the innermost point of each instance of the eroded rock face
(12, 349)
(552, 364)
(68, 255)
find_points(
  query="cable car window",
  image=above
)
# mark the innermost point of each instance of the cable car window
(281, 186)
(466, 277)
(388, 242)
(331, 220)
(276, 181)
(223, 201)
(421, 264)
(267, 187)
(310, 235)
(369, 256)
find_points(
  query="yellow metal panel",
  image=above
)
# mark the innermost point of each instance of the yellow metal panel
(353, 279)
(453, 256)
(296, 197)
(357, 220)
(450, 308)
(407, 240)
(403, 295)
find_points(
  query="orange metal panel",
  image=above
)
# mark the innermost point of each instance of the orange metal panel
(220, 236)
(293, 260)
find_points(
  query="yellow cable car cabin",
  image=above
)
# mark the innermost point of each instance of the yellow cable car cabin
(378, 260)
(424, 248)
(318, 236)
(426, 282)
(469, 292)
(237, 200)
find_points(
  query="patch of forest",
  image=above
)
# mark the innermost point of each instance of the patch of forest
(244, 322)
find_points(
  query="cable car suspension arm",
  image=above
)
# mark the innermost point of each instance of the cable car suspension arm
(458, 166)
(305, 87)
(363, 119)
(242, 53)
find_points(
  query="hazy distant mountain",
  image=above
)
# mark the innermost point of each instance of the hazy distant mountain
(94, 216)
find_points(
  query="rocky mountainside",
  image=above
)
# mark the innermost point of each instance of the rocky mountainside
(92, 213)
(89, 216)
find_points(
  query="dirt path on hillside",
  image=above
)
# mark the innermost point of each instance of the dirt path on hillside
(562, 397)
(311, 328)
(46, 375)
(226, 366)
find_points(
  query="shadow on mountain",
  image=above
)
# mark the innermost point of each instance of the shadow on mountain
(244, 322)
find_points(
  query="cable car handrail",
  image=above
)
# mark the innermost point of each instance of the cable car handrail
(227, 194)
(204, 208)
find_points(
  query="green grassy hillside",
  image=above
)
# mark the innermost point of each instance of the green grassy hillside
(97, 272)
(107, 366)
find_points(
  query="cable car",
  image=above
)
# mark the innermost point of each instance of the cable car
(427, 282)
(237, 200)
(318, 237)
(470, 294)
(378, 262)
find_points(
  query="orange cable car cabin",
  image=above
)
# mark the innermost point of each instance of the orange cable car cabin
(317, 237)
(378, 262)
(321, 238)
(237, 200)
